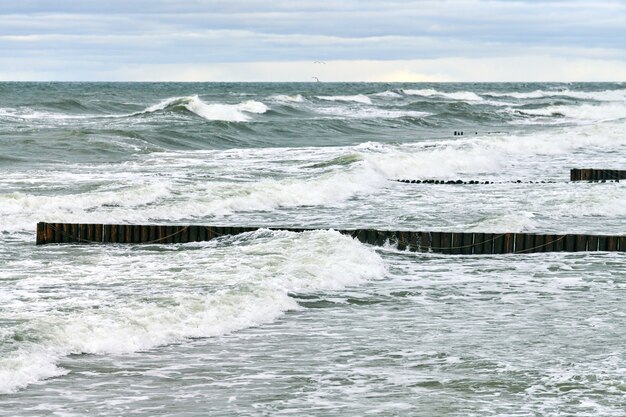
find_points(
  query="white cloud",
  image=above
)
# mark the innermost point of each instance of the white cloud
(218, 39)
(524, 68)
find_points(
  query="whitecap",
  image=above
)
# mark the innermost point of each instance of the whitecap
(429, 92)
(284, 98)
(249, 285)
(211, 111)
(358, 98)
(605, 95)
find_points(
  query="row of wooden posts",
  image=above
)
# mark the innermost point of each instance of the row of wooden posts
(589, 174)
(576, 174)
(441, 242)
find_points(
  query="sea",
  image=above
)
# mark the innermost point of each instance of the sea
(276, 323)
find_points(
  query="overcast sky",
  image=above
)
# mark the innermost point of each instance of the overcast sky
(280, 40)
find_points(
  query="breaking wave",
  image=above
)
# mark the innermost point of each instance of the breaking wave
(429, 92)
(358, 98)
(214, 111)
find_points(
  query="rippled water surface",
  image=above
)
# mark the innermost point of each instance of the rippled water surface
(278, 323)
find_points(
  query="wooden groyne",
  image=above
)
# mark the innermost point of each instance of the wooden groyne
(590, 174)
(441, 242)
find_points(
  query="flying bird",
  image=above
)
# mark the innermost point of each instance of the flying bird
(316, 79)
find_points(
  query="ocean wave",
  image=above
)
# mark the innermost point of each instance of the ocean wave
(429, 92)
(249, 285)
(583, 113)
(358, 98)
(30, 114)
(605, 95)
(370, 113)
(284, 98)
(213, 111)
(388, 94)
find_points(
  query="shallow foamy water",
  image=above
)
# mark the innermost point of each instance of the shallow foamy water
(313, 323)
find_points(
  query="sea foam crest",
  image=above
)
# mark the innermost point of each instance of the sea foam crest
(605, 95)
(249, 285)
(358, 98)
(211, 111)
(284, 98)
(429, 92)
(584, 113)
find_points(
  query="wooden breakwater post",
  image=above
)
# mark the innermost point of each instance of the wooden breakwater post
(590, 174)
(454, 243)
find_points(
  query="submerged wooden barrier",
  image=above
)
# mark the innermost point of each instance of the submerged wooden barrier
(442, 242)
(589, 174)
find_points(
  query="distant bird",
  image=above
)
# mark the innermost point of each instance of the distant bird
(316, 79)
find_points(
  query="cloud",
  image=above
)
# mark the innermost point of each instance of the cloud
(96, 39)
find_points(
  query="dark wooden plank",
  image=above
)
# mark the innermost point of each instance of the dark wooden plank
(129, 233)
(559, 243)
(169, 234)
(51, 233)
(73, 232)
(529, 244)
(581, 243)
(65, 232)
(402, 240)
(621, 243)
(602, 243)
(570, 243)
(446, 242)
(193, 233)
(372, 236)
(97, 233)
(183, 234)
(435, 242)
(508, 242)
(611, 243)
(457, 242)
(479, 242)
(361, 234)
(117, 233)
(210, 232)
(425, 241)
(592, 243)
(202, 234)
(498, 243)
(121, 233)
(540, 243)
(113, 233)
(381, 237)
(467, 242)
(135, 233)
(91, 233)
(519, 242)
(41, 234)
(549, 243)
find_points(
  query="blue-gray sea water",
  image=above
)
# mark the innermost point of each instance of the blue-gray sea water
(278, 323)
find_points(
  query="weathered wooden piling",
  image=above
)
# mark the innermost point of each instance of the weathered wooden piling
(591, 174)
(469, 243)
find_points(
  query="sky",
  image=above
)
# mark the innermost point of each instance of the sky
(341, 40)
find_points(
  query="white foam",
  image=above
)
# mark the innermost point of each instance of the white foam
(429, 92)
(283, 98)
(249, 284)
(359, 98)
(388, 94)
(582, 113)
(605, 95)
(214, 111)
(370, 113)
